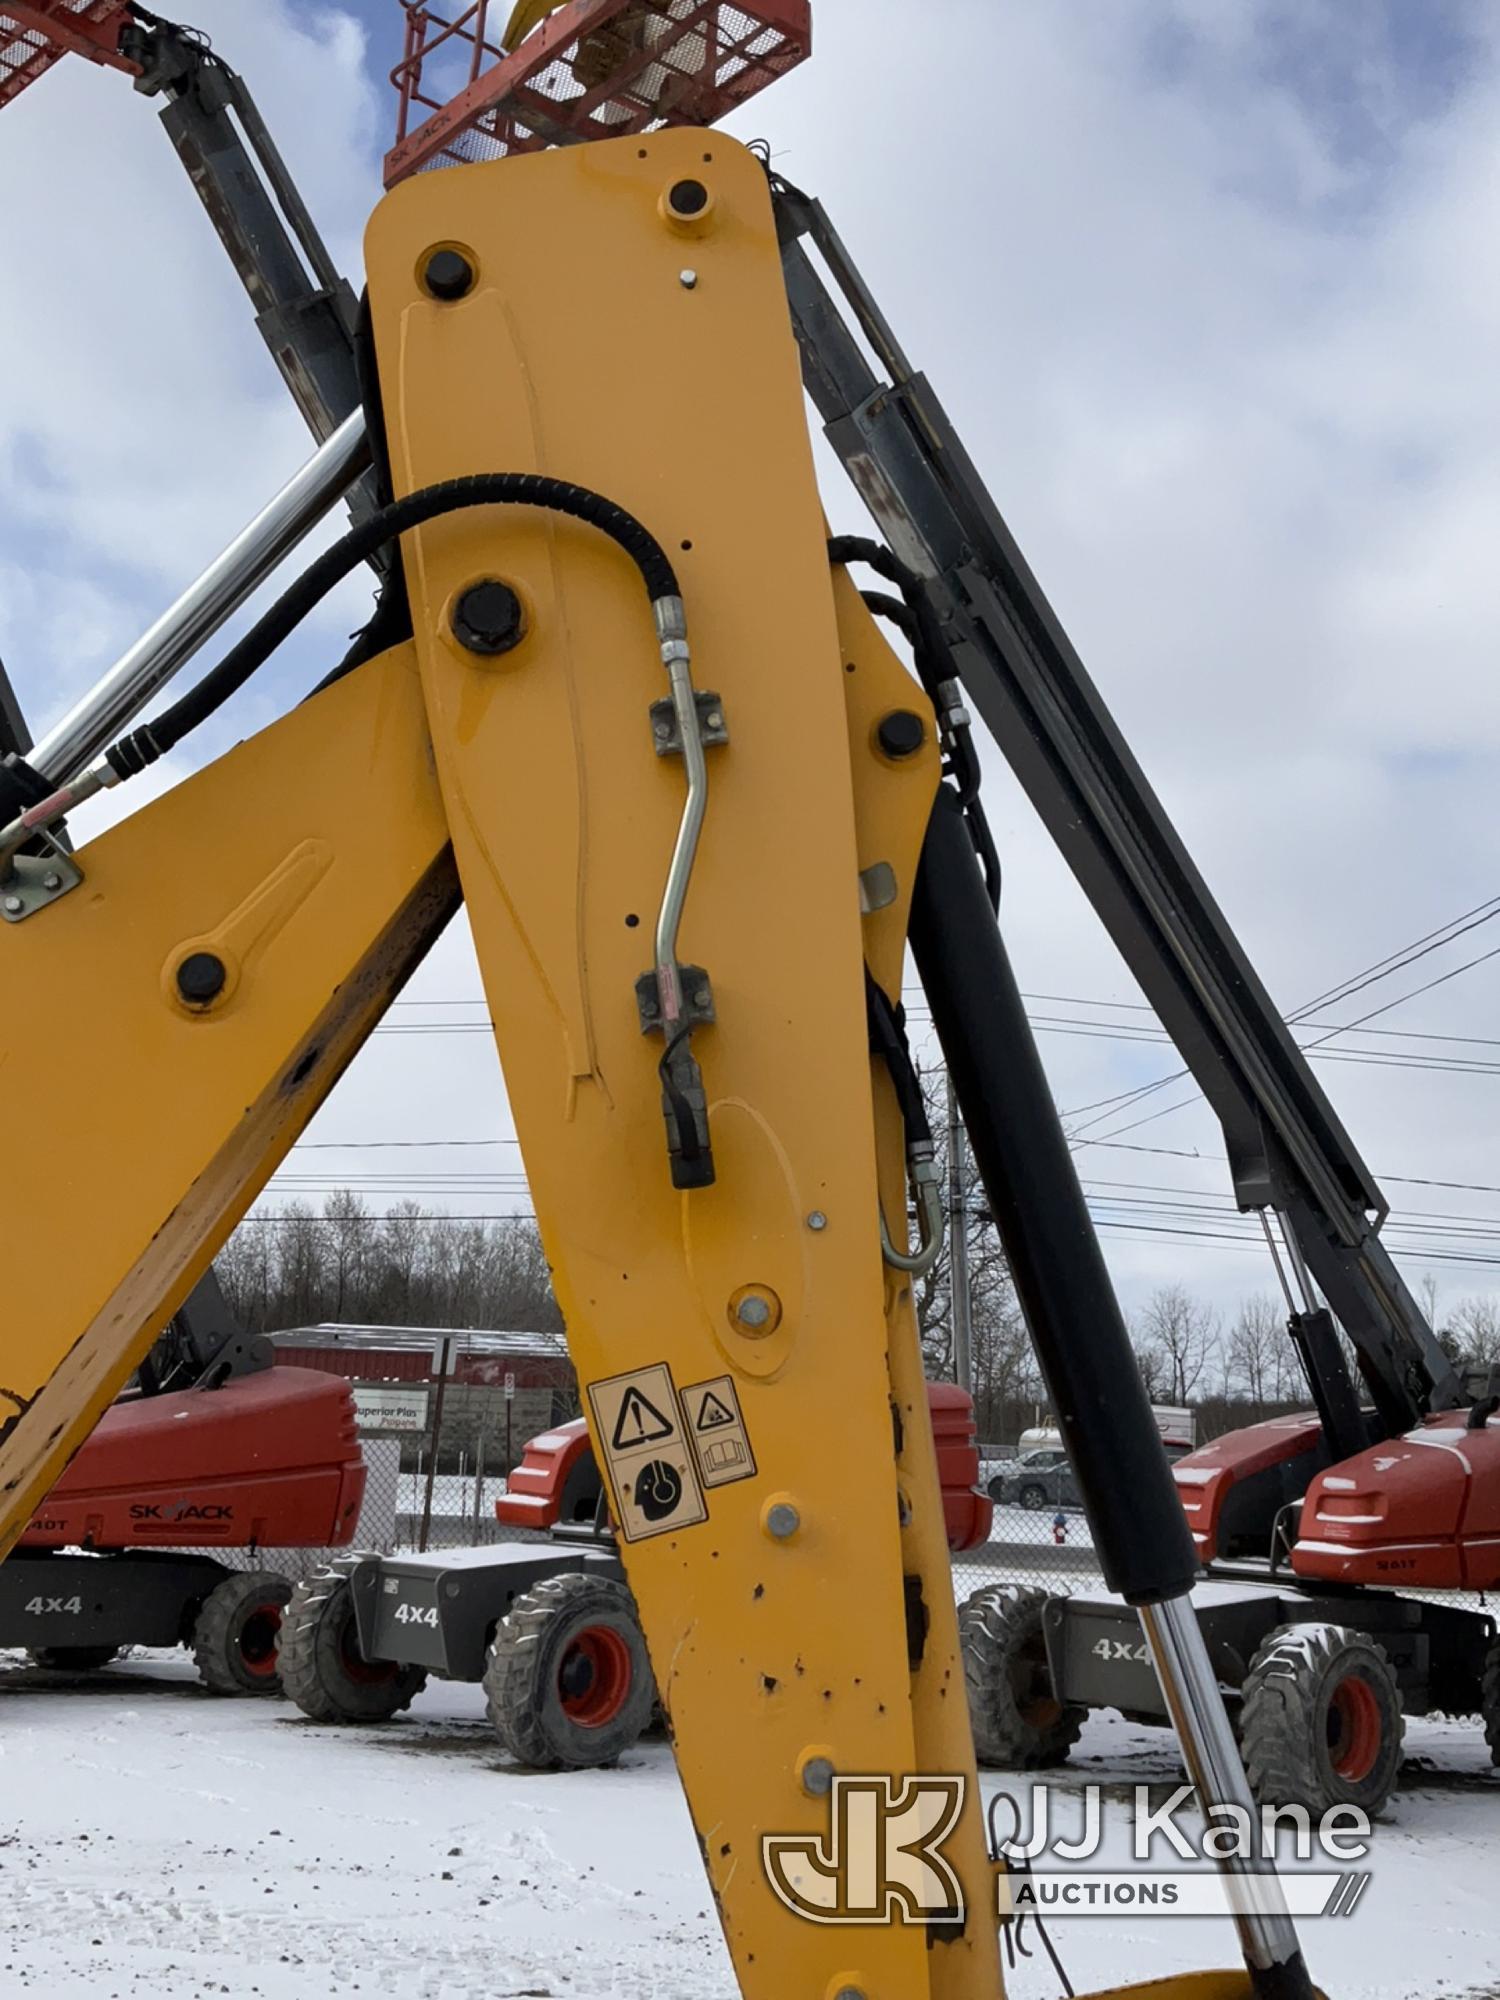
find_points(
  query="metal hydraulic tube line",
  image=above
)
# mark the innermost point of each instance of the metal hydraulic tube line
(671, 629)
(138, 675)
(1079, 1335)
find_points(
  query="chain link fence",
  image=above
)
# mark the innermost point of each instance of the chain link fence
(437, 1455)
(1039, 1534)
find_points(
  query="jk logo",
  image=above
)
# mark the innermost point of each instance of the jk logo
(880, 1862)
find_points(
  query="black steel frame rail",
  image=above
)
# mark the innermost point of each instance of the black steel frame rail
(1287, 1149)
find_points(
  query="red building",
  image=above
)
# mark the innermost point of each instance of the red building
(494, 1386)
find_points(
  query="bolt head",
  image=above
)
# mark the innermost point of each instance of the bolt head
(901, 734)
(448, 275)
(752, 1312)
(52, 882)
(488, 618)
(201, 978)
(14, 905)
(688, 280)
(783, 1521)
(817, 1220)
(703, 999)
(817, 1777)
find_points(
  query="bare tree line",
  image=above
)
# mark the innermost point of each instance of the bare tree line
(413, 1266)
(410, 1266)
(1188, 1355)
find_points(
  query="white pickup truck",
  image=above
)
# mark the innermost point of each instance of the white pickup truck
(1039, 1475)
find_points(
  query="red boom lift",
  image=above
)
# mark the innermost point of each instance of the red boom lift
(212, 1448)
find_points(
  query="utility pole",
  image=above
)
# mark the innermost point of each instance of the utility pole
(958, 1247)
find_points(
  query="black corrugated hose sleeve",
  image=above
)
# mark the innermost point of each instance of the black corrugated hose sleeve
(929, 650)
(482, 489)
(896, 610)
(919, 624)
(888, 1041)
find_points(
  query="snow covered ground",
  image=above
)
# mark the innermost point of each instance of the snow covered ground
(157, 1844)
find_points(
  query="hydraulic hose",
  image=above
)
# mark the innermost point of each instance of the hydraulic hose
(913, 615)
(132, 753)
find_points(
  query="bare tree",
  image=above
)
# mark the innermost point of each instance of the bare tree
(1427, 1292)
(301, 1276)
(398, 1256)
(1256, 1349)
(348, 1233)
(410, 1267)
(1175, 1339)
(1006, 1380)
(1475, 1326)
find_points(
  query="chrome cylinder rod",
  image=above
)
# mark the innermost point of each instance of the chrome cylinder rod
(205, 605)
(1267, 1935)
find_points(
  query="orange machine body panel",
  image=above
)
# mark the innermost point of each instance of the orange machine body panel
(967, 1512)
(556, 1480)
(1239, 1479)
(1421, 1510)
(270, 1460)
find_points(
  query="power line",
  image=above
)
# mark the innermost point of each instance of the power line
(917, 1010)
(1382, 969)
(1179, 1235)
(1151, 1117)
(1161, 1152)
(393, 1145)
(1442, 979)
(1091, 1030)
(1407, 954)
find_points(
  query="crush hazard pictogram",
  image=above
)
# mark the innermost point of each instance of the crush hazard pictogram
(712, 1414)
(718, 1433)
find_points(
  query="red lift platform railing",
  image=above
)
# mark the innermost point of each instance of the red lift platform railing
(33, 36)
(588, 69)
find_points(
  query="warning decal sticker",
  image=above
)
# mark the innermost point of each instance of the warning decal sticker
(716, 1426)
(639, 1422)
(653, 1473)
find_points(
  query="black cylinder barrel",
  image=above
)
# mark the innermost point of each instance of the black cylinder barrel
(1020, 1149)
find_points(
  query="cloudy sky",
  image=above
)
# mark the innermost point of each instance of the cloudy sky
(1209, 288)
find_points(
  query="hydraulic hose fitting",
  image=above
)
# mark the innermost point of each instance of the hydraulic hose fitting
(926, 1185)
(48, 811)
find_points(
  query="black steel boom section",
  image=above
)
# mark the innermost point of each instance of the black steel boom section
(1287, 1150)
(304, 310)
